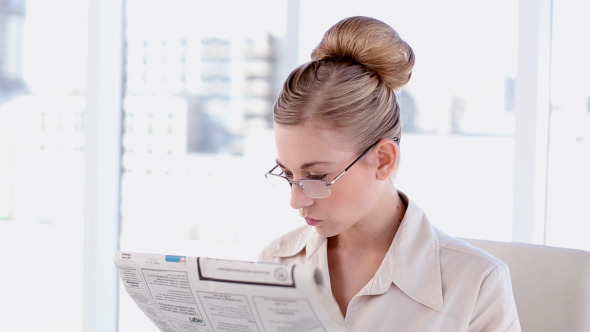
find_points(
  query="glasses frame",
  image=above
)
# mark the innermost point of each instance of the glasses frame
(328, 184)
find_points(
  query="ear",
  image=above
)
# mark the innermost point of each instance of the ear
(387, 151)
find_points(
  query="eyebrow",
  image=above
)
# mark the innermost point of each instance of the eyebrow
(307, 165)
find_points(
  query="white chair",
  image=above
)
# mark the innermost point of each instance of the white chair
(551, 285)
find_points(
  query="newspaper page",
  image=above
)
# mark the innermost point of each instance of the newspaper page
(186, 294)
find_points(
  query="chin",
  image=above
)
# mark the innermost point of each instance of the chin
(325, 232)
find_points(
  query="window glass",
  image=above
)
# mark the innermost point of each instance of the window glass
(199, 86)
(457, 152)
(569, 145)
(42, 87)
(197, 124)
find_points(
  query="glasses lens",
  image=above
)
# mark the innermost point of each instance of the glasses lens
(279, 183)
(315, 188)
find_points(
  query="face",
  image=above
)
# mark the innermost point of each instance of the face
(305, 152)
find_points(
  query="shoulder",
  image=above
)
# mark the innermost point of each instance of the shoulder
(457, 253)
(419, 233)
(480, 283)
(289, 244)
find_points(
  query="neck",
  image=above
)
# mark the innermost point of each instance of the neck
(377, 230)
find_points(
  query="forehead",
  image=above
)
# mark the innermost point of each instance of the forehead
(301, 144)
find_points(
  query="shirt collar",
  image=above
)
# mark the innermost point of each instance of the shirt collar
(413, 261)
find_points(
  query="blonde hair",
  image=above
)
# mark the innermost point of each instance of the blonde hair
(350, 83)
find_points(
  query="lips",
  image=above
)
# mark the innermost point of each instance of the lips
(311, 221)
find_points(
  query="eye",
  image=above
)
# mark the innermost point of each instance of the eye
(317, 176)
(287, 174)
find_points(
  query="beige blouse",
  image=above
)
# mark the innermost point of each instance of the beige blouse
(428, 281)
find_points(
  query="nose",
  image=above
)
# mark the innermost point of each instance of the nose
(299, 199)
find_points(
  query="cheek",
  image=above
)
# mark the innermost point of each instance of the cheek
(351, 199)
(359, 186)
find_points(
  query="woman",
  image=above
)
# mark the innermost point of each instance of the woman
(337, 131)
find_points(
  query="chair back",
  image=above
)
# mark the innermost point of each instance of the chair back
(551, 285)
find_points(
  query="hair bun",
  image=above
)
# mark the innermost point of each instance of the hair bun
(372, 43)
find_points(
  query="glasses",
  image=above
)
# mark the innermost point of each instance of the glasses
(310, 187)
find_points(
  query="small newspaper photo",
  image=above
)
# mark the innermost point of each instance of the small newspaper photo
(186, 294)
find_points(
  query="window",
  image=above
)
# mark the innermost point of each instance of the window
(42, 103)
(458, 148)
(214, 84)
(199, 86)
(569, 145)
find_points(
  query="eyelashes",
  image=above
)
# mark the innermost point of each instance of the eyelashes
(309, 176)
(317, 176)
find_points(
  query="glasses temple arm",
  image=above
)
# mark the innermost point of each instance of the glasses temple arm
(357, 159)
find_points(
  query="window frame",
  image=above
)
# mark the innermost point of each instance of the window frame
(102, 152)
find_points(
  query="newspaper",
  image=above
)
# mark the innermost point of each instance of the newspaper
(186, 294)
